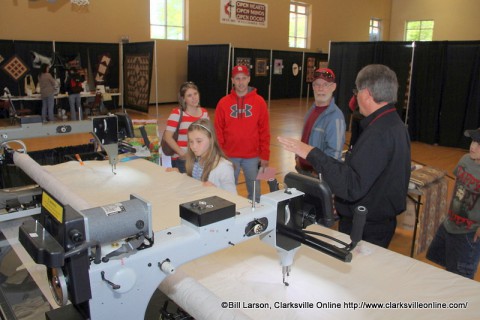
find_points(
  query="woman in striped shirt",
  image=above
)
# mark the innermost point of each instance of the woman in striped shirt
(188, 112)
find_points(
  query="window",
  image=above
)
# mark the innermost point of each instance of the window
(375, 30)
(420, 30)
(299, 22)
(167, 19)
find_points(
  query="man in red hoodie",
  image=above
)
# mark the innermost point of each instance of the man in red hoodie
(243, 129)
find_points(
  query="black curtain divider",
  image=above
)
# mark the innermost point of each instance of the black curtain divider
(208, 67)
(261, 82)
(472, 112)
(397, 56)
(444, 88)
(23, 49)
(94, 52)
(460, 103)
(7, 51)
(345, 60)
(426, 88)
(286, 84)
(138, 100)
(348, 58)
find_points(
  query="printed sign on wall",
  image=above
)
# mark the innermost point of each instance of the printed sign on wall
(244, 13)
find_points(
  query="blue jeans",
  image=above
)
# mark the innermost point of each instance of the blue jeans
(47, 104)
(250, 171)
(456, 252)
(74, 100)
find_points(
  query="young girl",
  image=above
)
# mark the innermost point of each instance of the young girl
(189, 100)
(205, 161)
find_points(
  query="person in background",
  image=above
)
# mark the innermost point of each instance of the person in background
(243, 129)
(205, 160)
(324, 126)
(189, 100)
(48, 87)
(73, 86)
(355, 129)
(376, 171)
(456, 245)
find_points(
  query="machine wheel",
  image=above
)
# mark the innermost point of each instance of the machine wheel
(58, 285)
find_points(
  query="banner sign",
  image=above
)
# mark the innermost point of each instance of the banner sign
(246, 13)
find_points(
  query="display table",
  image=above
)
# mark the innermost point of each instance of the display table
(247, 277)
(37, 97)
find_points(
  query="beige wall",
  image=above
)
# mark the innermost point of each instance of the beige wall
(109, 20)
(333, 20)
(454, 19)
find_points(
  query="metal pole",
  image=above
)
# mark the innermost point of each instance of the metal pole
(410, 84)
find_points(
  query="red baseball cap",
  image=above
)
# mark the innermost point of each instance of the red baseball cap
(325, 74)
(240, 69)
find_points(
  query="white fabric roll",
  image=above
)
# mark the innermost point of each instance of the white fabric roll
(48, 182)
(197, 300)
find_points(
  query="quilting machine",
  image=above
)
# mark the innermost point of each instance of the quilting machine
(107, 260)
(24, 200)
(103, 128)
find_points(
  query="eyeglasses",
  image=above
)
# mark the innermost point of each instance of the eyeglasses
(323, 74)
(322, 85)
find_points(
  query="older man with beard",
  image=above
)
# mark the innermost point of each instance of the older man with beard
(324, 125)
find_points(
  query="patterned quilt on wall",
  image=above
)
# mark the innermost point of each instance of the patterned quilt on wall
(137, 81)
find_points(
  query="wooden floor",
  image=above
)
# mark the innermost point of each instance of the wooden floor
(286, 119)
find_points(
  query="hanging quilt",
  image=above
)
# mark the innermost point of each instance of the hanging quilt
(137, 81)
(15, 68)
(102, 68)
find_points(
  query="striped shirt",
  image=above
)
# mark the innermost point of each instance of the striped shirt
(187, 120)
(197, 170)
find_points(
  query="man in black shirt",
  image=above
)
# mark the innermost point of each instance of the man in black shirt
(376, 171)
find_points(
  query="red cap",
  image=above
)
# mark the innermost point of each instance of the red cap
(240, 69)
(325, 74)
(352, 104)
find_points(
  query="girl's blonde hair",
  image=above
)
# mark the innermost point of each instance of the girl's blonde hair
(214, 153)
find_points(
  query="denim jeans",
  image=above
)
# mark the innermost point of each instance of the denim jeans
(250, 171)
(74, 100)
(456, 252)
(47, 105)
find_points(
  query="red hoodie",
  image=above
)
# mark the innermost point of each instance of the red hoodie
(242, 125)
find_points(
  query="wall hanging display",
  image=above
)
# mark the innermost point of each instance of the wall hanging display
(278, 66)
(243, 62)
(295, 69)
(15, 68)
(310, 69)
(137, 84)
(102, 68)
(261, 67)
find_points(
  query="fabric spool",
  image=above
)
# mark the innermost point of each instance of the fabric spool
(197, 300)
(48, 182)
